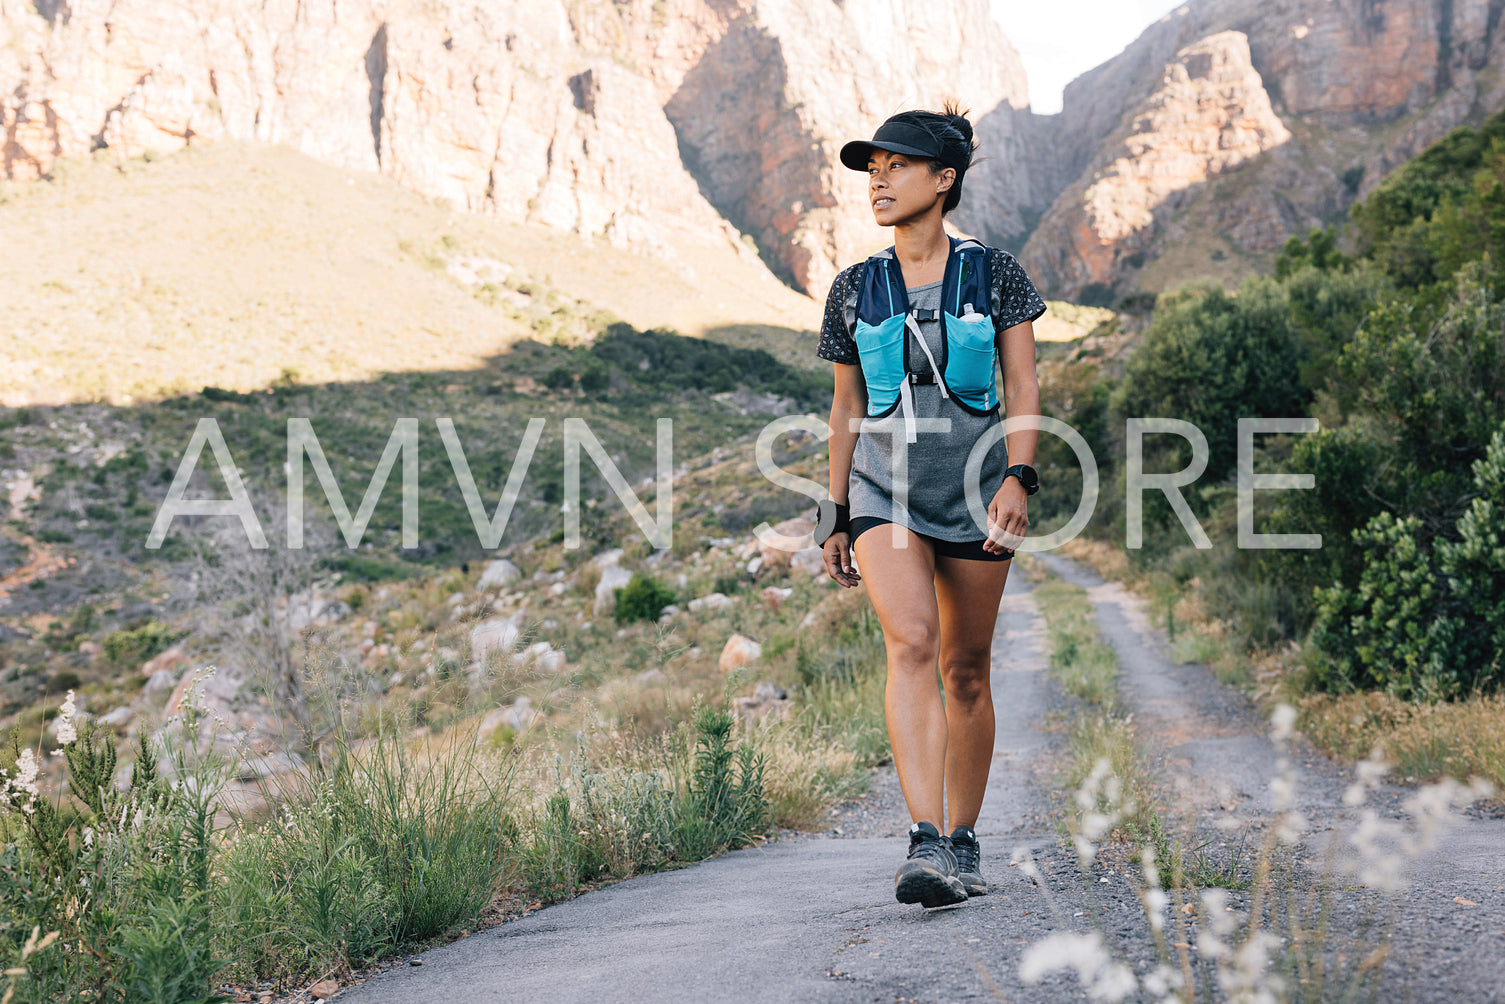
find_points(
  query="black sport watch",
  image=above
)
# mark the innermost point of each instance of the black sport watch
(1028, 479)
(833, 518)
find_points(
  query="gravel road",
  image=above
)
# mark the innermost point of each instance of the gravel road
(813, 918)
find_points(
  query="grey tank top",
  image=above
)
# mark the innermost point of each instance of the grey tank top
(936, 461)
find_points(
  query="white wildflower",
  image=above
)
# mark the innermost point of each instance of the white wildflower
(1282, 721)
(66, 731)
(26, 779)
(1026, 862)
(1248, 980)
(1283, 788)
(88, 836)
(1103, 977)
(1163, 983)
(1155, 902)
(1291, 826)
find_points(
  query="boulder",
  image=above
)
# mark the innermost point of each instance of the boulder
(810, 560)
(161, 682)
(739, 651)
(499, 634)
(713, 602)
(517, 716)
(778, 557)
(774, 596)
(613, 577)
(167, 661)
(498, 574)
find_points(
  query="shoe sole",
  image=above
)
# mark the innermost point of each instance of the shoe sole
(975, 888)
(929, 888)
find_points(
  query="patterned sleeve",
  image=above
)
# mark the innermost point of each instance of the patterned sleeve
(836, 341)
(1015, 299)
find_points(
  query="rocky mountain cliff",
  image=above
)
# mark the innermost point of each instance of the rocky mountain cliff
(623, 119)
(1223, 128)
(1230, 124)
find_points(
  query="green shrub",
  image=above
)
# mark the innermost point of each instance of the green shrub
(559, 378)
(643, 598)
(1423, 622)
(139, 643)
(594, 378)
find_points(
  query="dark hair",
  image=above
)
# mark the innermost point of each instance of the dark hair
(951, 128)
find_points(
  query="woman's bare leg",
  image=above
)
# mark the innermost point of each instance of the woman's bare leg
(967, 594)
(900, 584)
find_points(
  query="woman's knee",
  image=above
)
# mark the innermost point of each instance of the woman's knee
(966, 677)
(914, 644)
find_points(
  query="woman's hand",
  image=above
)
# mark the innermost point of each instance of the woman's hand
(838, 557)
(1008, 518)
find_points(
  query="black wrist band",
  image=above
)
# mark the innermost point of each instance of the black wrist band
(840, 523)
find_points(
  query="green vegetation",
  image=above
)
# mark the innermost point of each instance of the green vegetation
(642, 599)
(1391, 332)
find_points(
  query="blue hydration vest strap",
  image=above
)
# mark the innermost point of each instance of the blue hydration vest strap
(885, 320)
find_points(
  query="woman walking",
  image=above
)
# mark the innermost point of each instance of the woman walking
(916, 332)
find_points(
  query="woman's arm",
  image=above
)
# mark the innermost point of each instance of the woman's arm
(848, 406)
(1008, 514)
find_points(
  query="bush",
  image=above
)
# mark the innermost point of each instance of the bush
(1424, 622)
(140, 643)
(1210, 358)
(643, 598)
(559, 378)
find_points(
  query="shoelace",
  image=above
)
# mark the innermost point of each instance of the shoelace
(932, 849)
(967, 854)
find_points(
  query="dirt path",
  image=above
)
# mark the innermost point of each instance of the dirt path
(813, 918)
(1213, 755)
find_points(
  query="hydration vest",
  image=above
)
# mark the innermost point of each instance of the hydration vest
(885, 322)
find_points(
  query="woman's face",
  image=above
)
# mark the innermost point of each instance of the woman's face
(901, 188)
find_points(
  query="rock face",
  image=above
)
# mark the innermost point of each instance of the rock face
(1360, 86)
(1209, 114)
(665, 124)
(628, 120)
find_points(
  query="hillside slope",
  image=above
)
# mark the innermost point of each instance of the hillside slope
(227, 264)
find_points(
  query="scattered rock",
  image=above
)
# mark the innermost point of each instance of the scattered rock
(88, 648)
(777, 557)
(498, 574)
(755, 565)
(325, 990)
(810, 560)
(740, 651)
(517, 716)
(613, 577)
(651, 676)
(715, 601)
(500, 633)
(161, 682)
(774, 596)
(121, 715)
(606, 559)
(167, 661)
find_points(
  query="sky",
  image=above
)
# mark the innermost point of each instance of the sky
(1062, 39)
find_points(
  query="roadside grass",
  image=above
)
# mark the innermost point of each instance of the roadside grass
(1458, 740)
(1100, 733)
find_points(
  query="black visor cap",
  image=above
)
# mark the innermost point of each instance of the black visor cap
(895, 137)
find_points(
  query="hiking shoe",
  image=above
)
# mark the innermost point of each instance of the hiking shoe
(968, 860)
(929, 876)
